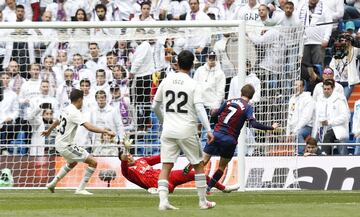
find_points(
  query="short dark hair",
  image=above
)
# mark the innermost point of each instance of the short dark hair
(85, 80)
(111, 53)
(100, 71)
(100, 92)
(145, 3)
(329, 82)
(20, 7)
(185, 60)
(76, 94)
(248, 91)
(99, 6)
(94, 43)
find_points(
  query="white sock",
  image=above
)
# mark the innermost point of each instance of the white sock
(88, 173)
(163, 189)
(63, 171)
(200, 183)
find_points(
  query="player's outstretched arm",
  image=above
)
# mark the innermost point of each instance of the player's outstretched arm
(47, 132)
(89, 126)
(257, 125)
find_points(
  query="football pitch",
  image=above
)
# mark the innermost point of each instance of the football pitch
(128, 203)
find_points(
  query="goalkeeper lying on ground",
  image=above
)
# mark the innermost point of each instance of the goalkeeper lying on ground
(141, 173)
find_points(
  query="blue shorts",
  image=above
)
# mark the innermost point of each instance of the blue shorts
(223, 146)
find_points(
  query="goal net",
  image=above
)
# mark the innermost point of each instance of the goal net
(119, 70)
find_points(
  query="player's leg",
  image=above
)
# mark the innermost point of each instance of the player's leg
(189, 167)
(63, 171)
(192, 149)
(218, 174)
(225, 147)
(169, 154)
(92, 164)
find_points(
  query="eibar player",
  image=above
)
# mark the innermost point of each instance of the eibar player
(183, 104)
(70, 119)
(141, 173)
(232, 116)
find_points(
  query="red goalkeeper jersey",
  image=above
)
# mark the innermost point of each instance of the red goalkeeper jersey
(142, 173)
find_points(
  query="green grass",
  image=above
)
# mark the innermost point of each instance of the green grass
(121, 203)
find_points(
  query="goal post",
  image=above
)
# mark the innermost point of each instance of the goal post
(245, 49)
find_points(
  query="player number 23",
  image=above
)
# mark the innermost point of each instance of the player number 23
(183, 100)
(63, 123)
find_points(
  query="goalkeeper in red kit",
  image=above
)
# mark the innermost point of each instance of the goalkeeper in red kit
(141, 173)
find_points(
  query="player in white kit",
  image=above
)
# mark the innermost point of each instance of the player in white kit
(182, 103)
(70, 118)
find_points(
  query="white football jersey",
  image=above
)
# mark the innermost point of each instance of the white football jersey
(179, 93)
(70, 119)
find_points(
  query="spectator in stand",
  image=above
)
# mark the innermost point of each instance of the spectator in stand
(159, 9)
(332, 115)
(120, 78)
(249, 12)
(177, 8)
(122, 105)
(9, 11)
(79, 47)
(95, 61)
(80, 70)
(22, 52)
(16, 80)
(352, 9)
(61, 65)
(226, 65)
(356, 125)
(317, 38)
(288, 18)
(44, 97)
(38, 105)
(64, 10)
(300, 116)
(111, 61)
(198, 40)
(47, 73)
(112, 10)
(105, 115)
(145, 7)
(344, 62)
(32, 9)
(230, 9)
(124, 53)
(101, 83)
(64, 89)
(127, 9)
(9, 111)
(212, 80)
(214, 9)
(336, 10)
(311, 148)
(264, 16)
(141, 69)
(30, 89)
(251, 78)
(328, 73)
(101, 16)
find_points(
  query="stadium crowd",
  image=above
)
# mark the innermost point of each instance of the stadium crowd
(119, 78)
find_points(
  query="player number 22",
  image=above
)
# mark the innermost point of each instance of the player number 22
(181, 95)
(231, 113)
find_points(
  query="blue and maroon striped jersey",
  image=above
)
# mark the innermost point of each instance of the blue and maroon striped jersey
(232, 116)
